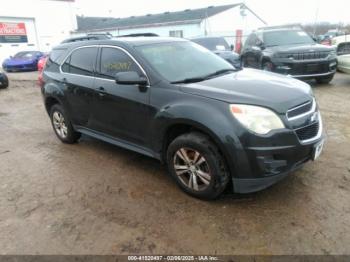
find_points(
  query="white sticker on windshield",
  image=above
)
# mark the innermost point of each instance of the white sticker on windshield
(301, 33)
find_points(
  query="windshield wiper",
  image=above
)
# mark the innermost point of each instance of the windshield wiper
(206, 77)
(189, 80)
(220, 72)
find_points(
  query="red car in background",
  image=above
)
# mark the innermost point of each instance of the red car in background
(42, 62)
(41, 65)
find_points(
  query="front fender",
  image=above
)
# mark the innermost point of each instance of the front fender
(210, 116)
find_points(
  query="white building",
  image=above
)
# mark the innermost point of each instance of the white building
(227, 20)
(34, 25)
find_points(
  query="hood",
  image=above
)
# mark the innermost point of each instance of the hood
(301, 48)
(254, 87)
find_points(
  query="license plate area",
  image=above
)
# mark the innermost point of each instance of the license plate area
(312, 68)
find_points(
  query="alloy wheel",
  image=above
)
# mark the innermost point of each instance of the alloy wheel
(192, 169)
(60, 124)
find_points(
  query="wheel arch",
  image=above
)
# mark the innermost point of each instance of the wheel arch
(183, 126)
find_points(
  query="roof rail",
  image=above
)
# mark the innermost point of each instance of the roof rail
(287, 26)
(139, 35)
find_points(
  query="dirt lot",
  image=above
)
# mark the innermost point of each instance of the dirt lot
(95, 198)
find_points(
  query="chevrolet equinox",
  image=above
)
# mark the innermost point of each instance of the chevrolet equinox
(176, 101)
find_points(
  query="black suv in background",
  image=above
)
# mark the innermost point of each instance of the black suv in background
(176, 101)
(4, 81)
(220, 47)
(291, 52)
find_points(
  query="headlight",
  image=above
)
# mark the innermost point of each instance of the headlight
(258, 119)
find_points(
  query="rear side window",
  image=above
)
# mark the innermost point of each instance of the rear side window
(113, 61)
(81, 62)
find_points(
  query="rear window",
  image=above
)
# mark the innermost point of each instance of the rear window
(213, 44)
(285, 37)
(343, 49)
(56, 54)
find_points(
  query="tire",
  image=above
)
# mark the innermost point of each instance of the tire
(62, 126)
(325, 79)
(267, 66)
(204, 174)
(5, 83)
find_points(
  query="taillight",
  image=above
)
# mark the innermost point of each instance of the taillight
(41, 82)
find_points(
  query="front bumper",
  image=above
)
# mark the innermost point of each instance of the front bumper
(344, 63)
(305, 69)
(274, 164)
(263, 161)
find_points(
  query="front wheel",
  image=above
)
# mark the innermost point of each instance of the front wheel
(62, 125)
(324, 79)
(197, 166)
(267, 66)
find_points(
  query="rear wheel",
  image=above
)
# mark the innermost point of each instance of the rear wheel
(324, 79)
(197, 166)
(62, 125)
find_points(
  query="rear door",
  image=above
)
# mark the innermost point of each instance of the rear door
(120, 111)
(78, 80)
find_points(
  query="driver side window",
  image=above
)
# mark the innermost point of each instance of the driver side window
(114, 61)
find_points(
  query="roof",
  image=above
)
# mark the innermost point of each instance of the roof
(122, 41)
(181, 17)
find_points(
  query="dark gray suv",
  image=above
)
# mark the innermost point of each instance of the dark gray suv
(176, 101)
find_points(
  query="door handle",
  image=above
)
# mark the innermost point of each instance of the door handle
(101, 91)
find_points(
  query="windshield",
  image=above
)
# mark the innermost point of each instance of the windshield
(177, 61)
(276, 38)
(213, 43)
(25, 55)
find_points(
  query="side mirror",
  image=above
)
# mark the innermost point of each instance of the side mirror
(130, 78)
(232, 47)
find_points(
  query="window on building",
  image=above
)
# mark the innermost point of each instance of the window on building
(81, 62)
(114, 61)
(176, 33)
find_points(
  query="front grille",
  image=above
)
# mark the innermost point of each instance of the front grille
(308, 68)
(299, 110)
(310, 55)
(308, 132)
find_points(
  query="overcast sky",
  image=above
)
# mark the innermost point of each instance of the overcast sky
(273, 11)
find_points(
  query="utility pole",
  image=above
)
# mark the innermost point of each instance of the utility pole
(316, 16)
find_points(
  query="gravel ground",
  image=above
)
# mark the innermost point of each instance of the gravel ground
(95, 198)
